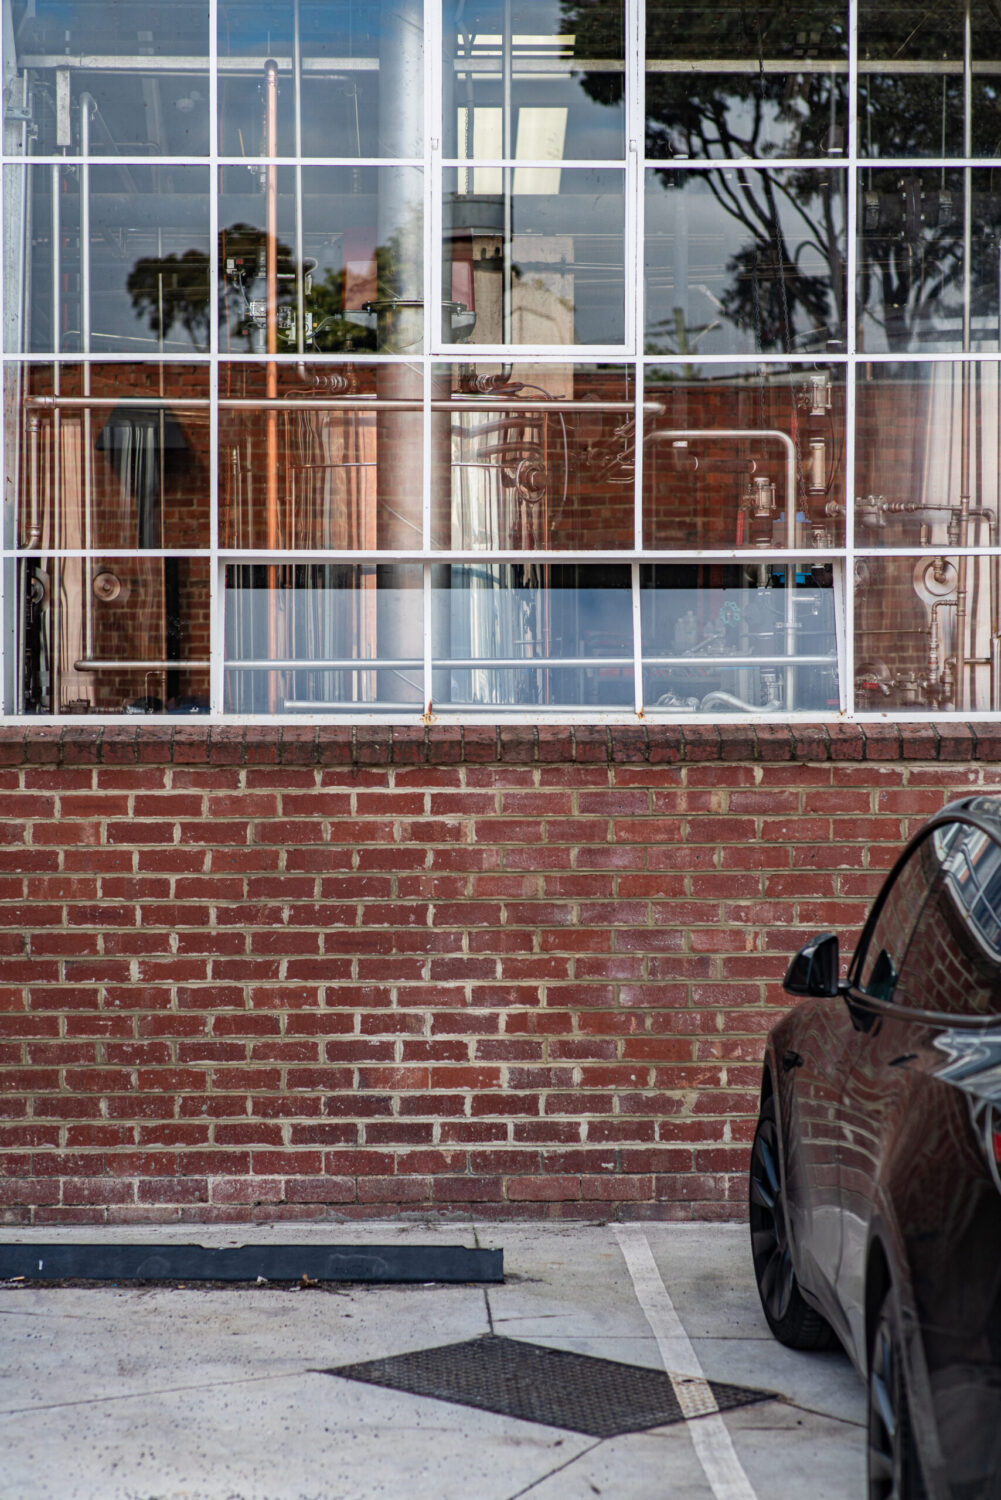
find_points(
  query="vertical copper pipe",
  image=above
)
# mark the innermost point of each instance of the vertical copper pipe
(271, 381)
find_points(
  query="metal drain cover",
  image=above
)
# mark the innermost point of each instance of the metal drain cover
(599, 1397)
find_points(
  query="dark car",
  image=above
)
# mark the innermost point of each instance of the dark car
(875, 1182)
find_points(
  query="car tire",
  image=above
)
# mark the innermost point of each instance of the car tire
(789, 1316)
(894, 1471)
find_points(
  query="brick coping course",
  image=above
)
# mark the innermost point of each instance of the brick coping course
(281, 744)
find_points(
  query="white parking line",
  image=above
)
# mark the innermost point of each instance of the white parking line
(710, 1438)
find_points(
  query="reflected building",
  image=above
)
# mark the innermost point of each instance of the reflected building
(458, 362)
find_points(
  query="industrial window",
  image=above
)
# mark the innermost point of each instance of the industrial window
(501, 360)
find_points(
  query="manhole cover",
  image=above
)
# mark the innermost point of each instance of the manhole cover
(599, 1397)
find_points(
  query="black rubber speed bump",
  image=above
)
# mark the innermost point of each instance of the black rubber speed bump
(316, 1262)
(579, 1392)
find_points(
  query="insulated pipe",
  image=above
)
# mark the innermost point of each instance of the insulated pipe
(401, 327)
(271, 281)
(507, 176)
(729, 700)
(87, 106)
(719, 433)
(728, 433)
(518, 663)
(98, 664)
(960, 695)
(995, 569)
(34, 534)
(271, 377)
(57, 509)
(349, 403)
(56, 262)
(300, 276)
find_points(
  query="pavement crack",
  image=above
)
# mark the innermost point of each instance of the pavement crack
(164, 1390)
(559, 1469)
(813, 1411)
(490, 1316)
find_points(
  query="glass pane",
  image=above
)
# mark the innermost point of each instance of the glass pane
(109, 455)
(309, 637)
(880, 964)
(926, 633)
(358, 89)
(534, 82)
(548, 636)
(534, 255)
(741, 261)
(114, 635)
(911, 78)
(912, 292)
(952, 962)
(359, 271)
(129, 271)
(728, 638)
(335, 462)
(746, 80)
(533, 456)
(726, 445)
(110, 77)
(926, 435)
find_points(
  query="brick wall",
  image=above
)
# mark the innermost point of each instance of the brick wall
(310, 972)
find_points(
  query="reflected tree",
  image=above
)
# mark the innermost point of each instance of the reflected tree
(697, 109)
(172, 291)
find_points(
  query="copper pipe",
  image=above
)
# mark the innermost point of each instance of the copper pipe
(271, 417)
(34, 534)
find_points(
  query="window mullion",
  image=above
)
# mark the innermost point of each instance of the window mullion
(847, 695)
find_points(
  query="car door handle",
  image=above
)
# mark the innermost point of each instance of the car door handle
(791, 1060)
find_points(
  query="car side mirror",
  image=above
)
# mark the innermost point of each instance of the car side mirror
(814, 970)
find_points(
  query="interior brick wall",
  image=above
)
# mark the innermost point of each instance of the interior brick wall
(303, 973)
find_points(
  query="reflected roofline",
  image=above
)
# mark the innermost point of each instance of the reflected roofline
(983, 811)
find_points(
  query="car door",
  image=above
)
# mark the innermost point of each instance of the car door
(811, 1087)
(884, 977)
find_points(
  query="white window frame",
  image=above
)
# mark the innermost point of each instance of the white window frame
(629, 355)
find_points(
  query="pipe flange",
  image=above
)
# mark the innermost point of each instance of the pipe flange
(934, 578)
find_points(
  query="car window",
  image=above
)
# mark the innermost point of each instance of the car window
(886, 948)
(953, 964)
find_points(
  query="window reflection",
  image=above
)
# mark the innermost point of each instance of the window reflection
(912, 64)
(916, 290)
(114, 635)
(926, 633)
(533, 458)
(926, 436)
(110, 455)
(534, 82)
(727, 447)
(310, 637)
(112, 77)
(342, 71)
(739, 637)
(119, 259)
(524, 635)
(347, 272)
(321, 456)
(745, 80)
(536, 256)
(740, 260)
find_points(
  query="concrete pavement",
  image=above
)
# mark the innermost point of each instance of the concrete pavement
(157, 1394)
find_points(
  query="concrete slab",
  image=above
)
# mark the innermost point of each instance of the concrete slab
(155, 1394)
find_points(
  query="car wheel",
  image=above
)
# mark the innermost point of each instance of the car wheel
(894, 1473)
(790, 1317)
